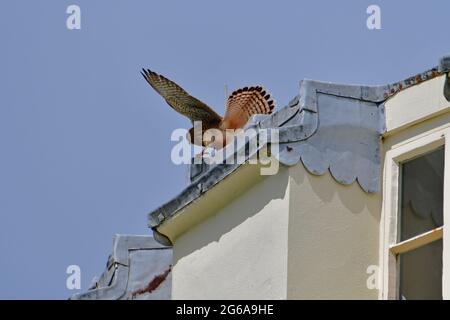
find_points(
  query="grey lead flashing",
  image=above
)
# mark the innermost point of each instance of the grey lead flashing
(135, 260)
(337, 129)
(204, 177)
(329, 127)
(199, 186)
(275, 120)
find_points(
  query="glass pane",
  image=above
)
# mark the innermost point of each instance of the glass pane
(421, 272)
(422, 194)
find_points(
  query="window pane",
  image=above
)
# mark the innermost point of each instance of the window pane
(422, 194)
(421, 272)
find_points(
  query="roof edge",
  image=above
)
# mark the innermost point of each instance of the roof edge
(303, 106)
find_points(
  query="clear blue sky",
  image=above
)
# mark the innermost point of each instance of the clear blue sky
(85, 142)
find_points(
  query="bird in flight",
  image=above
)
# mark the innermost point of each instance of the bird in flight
(240, 106)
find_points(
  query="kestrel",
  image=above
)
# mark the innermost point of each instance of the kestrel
(240, 106)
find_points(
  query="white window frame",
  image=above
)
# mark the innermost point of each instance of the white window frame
(389, 245)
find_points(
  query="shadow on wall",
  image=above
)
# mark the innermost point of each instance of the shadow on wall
(333, 238)
(243, 208)
(352, 196)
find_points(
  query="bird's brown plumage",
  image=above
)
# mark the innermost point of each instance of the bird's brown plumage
(244, 103)
(241, 104)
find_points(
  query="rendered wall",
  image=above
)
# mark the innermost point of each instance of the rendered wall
(292, 236)
(415, 104)
(240, 252)
(300, 236)
(333, 238)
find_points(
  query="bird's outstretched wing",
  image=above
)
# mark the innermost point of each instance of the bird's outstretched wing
(244, 103)
(180, 100)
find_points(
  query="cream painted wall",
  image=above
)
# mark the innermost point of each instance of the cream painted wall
(416, 104)
(295, 235)
(240, 252)
(333, 238)
(292, 236)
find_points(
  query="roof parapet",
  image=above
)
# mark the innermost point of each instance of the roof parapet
(341, 126)
(328, 127)
(444, 67)
(122, 281)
